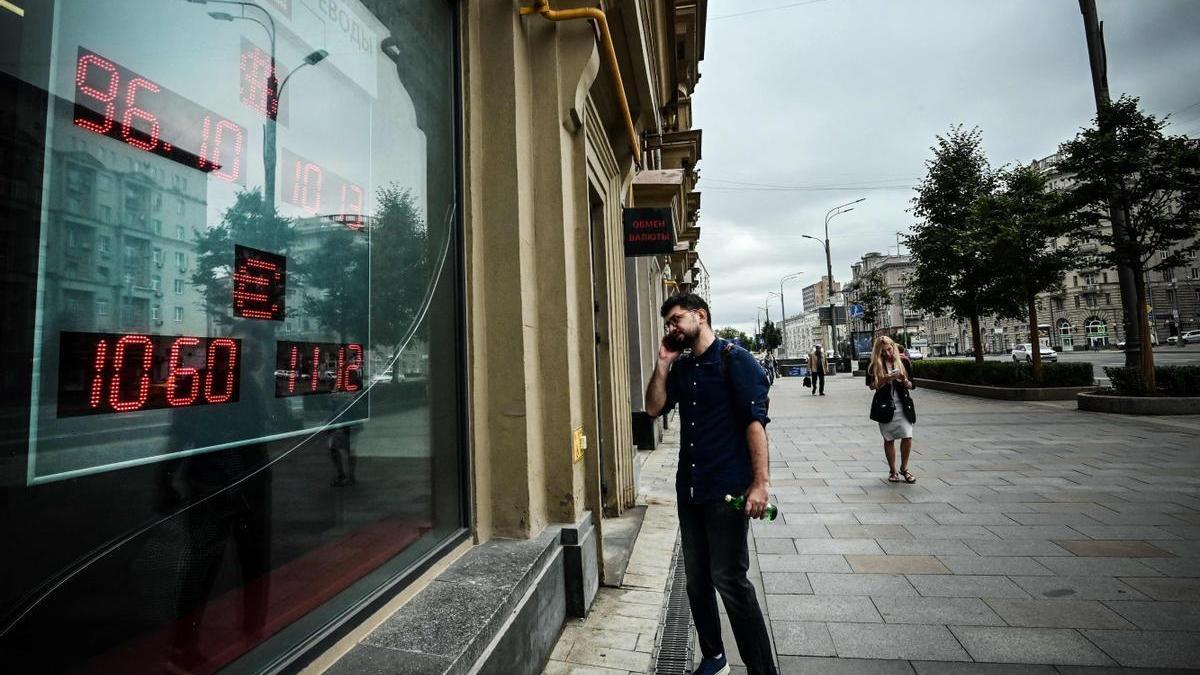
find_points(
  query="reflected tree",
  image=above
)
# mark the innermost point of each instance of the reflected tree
(248, 222)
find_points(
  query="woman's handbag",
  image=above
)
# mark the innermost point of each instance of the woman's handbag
(807, 381)
(883, 408)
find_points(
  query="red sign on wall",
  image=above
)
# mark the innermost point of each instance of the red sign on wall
(648, 231)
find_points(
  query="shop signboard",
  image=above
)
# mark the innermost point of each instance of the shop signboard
(648, 231)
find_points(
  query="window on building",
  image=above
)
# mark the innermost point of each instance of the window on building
(1194, 272)
(1168, 274)
(1108, 298)
(1077, 302)
(1074, 281)
(1104, 277)
(213, 513)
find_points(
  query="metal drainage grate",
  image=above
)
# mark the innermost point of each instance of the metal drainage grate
(674, 648)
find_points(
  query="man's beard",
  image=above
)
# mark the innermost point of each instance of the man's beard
(680, 340)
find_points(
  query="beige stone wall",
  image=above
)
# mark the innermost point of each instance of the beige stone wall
(544, 179)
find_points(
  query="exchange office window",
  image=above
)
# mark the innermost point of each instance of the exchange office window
(208, 489)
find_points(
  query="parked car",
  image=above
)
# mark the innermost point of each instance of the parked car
(915, 355)
(1191, 336)
(1024, 352)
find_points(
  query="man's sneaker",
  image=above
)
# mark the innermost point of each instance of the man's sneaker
(714, 666)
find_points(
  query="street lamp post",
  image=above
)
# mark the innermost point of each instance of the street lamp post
(274, 90)
(829, 215)
(783, 309)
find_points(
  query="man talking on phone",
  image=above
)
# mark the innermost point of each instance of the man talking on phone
(722, 396)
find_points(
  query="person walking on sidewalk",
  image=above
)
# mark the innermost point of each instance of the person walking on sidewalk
(890, 376)
(818, 365)
(722, 397)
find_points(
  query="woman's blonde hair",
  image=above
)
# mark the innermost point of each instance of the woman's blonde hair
(878, 368)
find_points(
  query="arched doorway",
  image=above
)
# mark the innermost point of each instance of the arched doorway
(1097, 333)
(1065, 335)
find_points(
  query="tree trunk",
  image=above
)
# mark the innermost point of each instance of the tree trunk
(1143, 322)
(1035, 337)
(976, 340)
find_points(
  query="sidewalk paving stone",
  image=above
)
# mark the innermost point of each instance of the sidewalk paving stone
(1149, 649)
(802, 638)
(963, 586)
(977, 564)
(1057, 614)
(943, 668)
(1122, 548)
(822, 608)
(905, 641)
(896, 564)
(1029, 645)
(1183, 616)
(812, 665)
(860, 584)
(1187, 590)
(958, 611)
(1017, 547)
(1100, 567)
(1078, 588)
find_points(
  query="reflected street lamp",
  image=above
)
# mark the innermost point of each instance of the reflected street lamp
(274, 89)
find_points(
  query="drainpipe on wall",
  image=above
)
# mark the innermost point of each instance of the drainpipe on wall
(542, 7)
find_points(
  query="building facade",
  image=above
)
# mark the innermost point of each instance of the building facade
(326, 325)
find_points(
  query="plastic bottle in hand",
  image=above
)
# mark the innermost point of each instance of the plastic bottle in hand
(739, 503)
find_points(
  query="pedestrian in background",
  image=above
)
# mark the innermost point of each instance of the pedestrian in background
(890, 377)
(722, 396)
(818, 365)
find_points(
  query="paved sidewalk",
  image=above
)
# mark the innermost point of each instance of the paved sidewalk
(1038, 539)
(617, 637)
(1036, 535)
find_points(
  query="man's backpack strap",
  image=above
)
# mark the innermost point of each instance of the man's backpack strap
(726, 351)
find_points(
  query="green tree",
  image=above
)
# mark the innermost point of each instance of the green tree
(248, 223)
(949, 246)
(1027, 225)
(1153, 179)
(400, 267)
(873, 296)
(731, 333)
(772, 336)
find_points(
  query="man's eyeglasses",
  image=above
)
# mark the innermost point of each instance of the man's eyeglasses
(674, 321)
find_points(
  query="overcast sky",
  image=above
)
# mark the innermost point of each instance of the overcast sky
(816, 104)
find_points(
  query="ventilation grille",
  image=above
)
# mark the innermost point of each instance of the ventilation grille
(673, 652)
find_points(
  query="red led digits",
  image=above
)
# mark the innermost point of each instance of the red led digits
(114, 373)
(306, 190)
(259, 284)
(143, 379)
(332, 368)
(205, 162)
(231, 353)
(352, 377)
(106, 97)
(131, 111)
(177, 372)
(316, 368)
(293, 370)
(256, 82)
(97, 392)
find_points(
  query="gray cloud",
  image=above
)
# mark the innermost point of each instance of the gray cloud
(844, 97)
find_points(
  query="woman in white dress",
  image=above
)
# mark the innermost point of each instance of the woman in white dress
(888, 369)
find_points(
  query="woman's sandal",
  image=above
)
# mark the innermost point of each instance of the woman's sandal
(908, 477)
(893, 477)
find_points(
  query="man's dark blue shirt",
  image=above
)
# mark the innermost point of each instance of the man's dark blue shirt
(715, 408)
